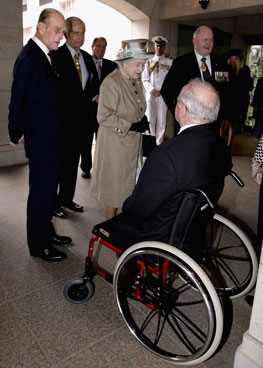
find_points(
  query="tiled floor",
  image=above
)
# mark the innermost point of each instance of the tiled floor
(40, 329)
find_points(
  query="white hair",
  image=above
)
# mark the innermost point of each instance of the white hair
(201, 100)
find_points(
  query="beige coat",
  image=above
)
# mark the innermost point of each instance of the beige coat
(118, 150)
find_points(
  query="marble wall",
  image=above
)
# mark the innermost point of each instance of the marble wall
(11, 41)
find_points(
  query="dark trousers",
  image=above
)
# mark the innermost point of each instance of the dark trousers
(68, 172)
(43, 176)
(86, 145)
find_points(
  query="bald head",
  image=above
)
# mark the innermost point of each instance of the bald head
(203, 40)
(201, 103)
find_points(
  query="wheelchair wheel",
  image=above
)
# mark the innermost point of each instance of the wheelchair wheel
(175, 311)
(78, 290)
(229, 258)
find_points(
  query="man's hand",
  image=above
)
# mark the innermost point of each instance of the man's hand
(21, 140)
(256, 175)
(96, 99)
(156, 92)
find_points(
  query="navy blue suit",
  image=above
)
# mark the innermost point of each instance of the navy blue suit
(35, 112)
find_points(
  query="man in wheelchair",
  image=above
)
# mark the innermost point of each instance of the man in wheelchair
(164, 200)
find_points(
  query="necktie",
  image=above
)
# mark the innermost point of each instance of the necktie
(77, 63)
(99, 68)
(204, 69)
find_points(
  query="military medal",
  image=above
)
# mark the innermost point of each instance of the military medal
(203, 67)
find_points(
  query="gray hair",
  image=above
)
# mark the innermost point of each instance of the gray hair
(46, 14)
(69, 23)
(201, 100)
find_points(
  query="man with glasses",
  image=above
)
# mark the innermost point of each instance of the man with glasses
(79, 85)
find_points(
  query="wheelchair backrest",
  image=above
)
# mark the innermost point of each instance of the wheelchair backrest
(191, 220)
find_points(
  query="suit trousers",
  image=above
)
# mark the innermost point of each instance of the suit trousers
(86, 145)
(156, 113)
(68, 172)
(43, 175)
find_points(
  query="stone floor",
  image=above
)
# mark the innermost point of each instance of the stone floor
(39, 328)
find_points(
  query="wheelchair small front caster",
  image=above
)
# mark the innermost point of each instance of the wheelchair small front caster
(78, 290)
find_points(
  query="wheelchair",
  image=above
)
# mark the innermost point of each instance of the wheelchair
(169, 300)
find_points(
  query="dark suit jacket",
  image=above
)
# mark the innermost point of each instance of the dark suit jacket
(107, 67)
(185, 68)
(35, 109)
(76, 100)
(196, 158)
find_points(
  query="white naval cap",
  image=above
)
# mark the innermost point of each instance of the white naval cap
(159, 40)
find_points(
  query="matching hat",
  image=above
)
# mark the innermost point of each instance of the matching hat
(159, 40)
(136, 49)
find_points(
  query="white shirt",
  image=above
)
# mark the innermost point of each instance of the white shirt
(207, 61)
(189, 126)
(42, 47)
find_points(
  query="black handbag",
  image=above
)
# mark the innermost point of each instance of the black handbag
(148, 144)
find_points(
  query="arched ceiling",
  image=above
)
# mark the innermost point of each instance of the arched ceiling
(133, 9)
(182, 10)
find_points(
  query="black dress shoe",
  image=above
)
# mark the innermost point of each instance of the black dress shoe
(73, 207)
(50, 254)
(85, 175)
(60, 213)
(60, 240)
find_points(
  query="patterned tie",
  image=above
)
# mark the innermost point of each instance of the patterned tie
(99, 68)
(77, 63)
(205, 70)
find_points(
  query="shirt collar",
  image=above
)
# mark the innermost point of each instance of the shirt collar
(41, 45)
(188, 126)
(73, 51)
(199, 57)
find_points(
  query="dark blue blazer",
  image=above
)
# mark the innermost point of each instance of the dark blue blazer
(107, 67)
(35, 109)
(76, 100)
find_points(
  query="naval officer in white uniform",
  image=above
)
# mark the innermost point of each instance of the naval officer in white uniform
(152, 77)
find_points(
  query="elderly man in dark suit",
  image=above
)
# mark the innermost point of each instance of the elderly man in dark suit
(196, 158)
(35, 112)
(200, 63)
(103, 68)
(79, 86)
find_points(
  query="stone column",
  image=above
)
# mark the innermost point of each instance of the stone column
(11, 40)
(250, 353)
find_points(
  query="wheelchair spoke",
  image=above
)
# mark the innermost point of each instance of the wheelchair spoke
(166, 307)
(226, 258)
